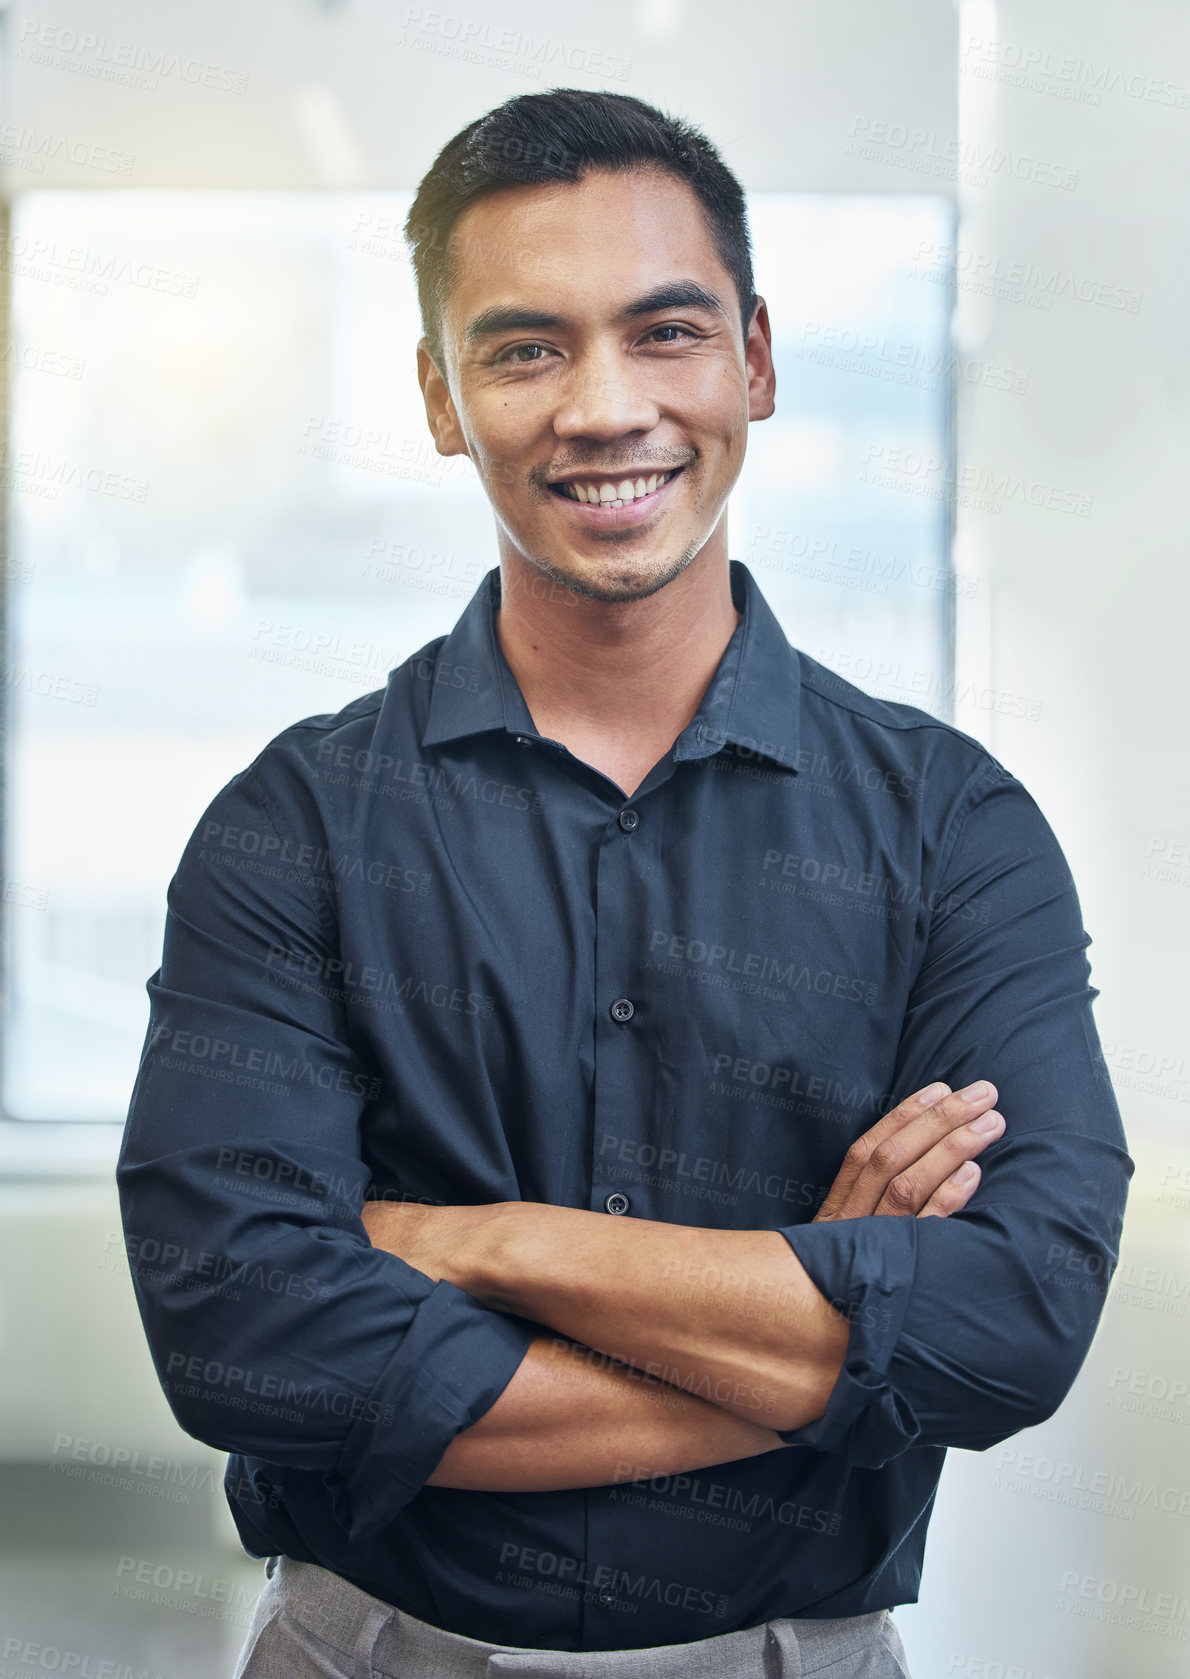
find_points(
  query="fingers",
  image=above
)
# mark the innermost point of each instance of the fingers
(906, 1157)
(924, 1175)
(953, 1194)
(839, 1201)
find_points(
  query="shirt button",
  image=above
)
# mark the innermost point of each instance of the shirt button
(606, 1595)
(622, 1009)
(628, 820)
(616, 1202)
(523, 740)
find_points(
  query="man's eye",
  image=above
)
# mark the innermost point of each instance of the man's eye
(683, 331)
(515, 351)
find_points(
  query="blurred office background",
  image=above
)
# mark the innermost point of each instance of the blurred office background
(224, 512)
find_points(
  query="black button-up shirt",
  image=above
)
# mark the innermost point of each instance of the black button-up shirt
(420, 949)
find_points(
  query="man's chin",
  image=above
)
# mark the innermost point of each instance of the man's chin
(612, 581)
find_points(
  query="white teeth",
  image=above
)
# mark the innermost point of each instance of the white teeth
(609, 494)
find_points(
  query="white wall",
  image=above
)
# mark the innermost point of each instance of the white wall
(364, 92)
(1088, 615)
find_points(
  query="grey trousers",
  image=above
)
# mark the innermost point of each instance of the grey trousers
(311, 1624)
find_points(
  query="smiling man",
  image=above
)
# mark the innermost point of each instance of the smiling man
(575, 1234)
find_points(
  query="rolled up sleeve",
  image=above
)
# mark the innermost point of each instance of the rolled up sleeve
(276, 1329)
(968, 1328)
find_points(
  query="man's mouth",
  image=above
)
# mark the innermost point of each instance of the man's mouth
(613, 492)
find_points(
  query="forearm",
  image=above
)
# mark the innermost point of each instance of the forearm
(570, 1418)
(730, 1315)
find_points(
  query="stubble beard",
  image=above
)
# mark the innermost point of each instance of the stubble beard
(613, 585)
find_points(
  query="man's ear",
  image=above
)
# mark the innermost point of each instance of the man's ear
(440, 409)
(758, 354)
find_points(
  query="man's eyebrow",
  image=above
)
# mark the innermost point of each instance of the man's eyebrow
(677, 294)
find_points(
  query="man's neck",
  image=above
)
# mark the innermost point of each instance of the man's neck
(615, 682)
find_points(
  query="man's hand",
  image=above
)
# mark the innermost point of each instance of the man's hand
(919, 1158)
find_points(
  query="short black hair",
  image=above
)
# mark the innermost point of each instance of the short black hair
(556, 136)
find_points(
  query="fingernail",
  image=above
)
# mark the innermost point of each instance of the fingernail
(974, 1092)
(935, 1093)
(964, 1173)
(986, 1123)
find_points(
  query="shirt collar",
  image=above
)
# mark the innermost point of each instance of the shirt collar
(753, 700)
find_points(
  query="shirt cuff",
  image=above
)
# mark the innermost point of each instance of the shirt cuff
(452, 1364)
(865, 1267)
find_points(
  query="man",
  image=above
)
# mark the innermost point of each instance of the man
(624, 1369)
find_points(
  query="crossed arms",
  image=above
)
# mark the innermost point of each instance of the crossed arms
(729, 1313)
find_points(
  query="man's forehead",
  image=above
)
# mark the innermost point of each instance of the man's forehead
(503, 258)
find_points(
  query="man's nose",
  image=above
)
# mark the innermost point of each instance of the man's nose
(605, 397)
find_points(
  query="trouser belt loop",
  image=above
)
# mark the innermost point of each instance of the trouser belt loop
(365, 1644)
(782, 1651)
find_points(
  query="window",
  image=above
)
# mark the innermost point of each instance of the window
(226, 513)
